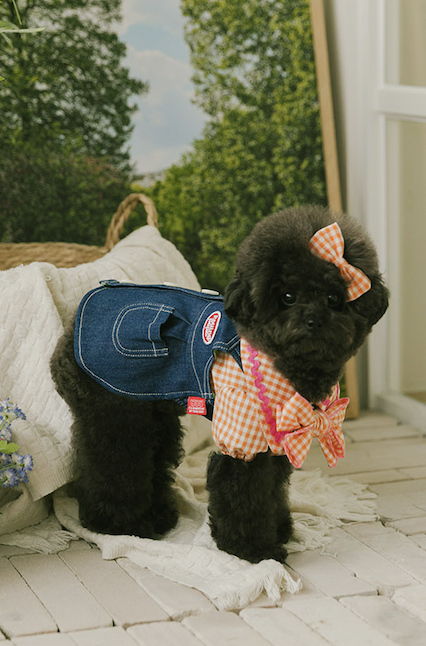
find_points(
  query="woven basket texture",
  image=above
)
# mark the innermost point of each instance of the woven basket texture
(68, 254)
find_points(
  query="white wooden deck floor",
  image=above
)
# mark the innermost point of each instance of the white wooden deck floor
(368, 587)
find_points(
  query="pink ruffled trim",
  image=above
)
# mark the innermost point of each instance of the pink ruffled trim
(266, 402)
(261, 390)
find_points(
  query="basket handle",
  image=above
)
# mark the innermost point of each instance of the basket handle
(122, 213)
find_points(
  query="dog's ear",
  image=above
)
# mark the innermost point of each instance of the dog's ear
(237, 300)
(374, 303)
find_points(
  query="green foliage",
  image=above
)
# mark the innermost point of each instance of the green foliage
(262, 148)
(68, 82)
(8, 447)
(57, 196)
(65, 119)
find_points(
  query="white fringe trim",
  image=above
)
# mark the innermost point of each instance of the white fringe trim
(48, 537)
(188, 554)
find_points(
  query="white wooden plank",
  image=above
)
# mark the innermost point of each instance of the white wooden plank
(308, 590)
(382, 433)
(370, 419)
(274, 624)
(224, 628)
(363, 530)
(389, 619)
(337, 624)
(21, 613)
(410, 526)
(372, 456)
(115, 636)
(420, 540)
(67, 600)
(412, 599)
(396, 506)
(400, 550)
(328, 575)
(13, 550)
(367, 564)
(163, 634)
(116, 591)
(418, 498)
(52, 639)
(414, 472)
(378, 477)
(404, 487)
(262, 601)
(177, 600)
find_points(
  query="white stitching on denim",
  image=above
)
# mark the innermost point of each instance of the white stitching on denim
(183, 393)
(219, 345)
(162, 309)
(160, 352)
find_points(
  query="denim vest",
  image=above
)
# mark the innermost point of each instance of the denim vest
(153, 341)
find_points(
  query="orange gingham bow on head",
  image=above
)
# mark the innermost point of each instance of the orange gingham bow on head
(328, 244)
(301, 423)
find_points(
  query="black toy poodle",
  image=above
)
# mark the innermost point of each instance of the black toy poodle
(263, 363)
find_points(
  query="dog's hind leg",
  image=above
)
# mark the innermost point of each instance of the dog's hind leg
(114, 467)
(248, 517)
(168, 455)
(121, 478)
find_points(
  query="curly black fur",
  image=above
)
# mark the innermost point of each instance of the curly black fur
(311, 338)
(248, 506)
(124, 450)
(287, 303)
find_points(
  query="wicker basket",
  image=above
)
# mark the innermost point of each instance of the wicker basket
(64, 254)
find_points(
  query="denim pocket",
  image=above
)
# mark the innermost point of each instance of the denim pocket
(137, 330)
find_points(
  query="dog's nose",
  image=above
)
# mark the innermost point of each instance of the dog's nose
(312, 323)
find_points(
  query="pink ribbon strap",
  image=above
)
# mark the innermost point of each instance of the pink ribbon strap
(295, 424)
(300, 423)
(261, 390)
(328, 244)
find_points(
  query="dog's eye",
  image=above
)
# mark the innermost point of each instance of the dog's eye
(334, 300)
(289, 299)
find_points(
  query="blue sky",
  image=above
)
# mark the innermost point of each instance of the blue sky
(166, 122)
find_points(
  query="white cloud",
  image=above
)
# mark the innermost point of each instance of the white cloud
(165, 74)
(161, 13)
(167, 121)
(160, 159)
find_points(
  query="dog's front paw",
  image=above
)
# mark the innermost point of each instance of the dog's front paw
(277, 553)
(128, 524)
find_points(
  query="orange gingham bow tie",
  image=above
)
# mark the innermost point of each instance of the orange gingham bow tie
(301, 423)
(328, 244)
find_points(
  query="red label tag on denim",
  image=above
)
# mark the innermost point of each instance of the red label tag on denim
(196, 406)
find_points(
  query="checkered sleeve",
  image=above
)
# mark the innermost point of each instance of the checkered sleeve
(236, 426)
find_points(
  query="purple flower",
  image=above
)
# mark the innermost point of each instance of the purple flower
(14, 467)
(9, 478)
(5, 433)
(5, 460)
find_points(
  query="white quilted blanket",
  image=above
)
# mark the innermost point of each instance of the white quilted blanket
(36, 302)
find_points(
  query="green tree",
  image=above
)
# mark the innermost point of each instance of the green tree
(48, 195)
(65, 120)
(262, 148)
(67, 84)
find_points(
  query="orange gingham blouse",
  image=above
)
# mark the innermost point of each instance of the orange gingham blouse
(239, 425)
